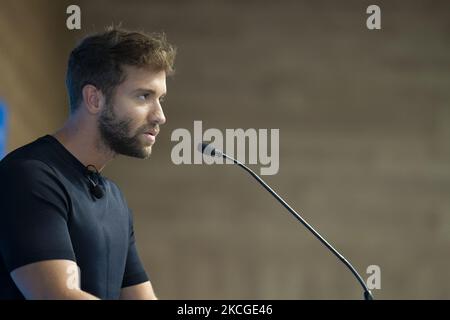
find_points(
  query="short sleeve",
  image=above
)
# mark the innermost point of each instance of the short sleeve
(134, 271)
(33, 215)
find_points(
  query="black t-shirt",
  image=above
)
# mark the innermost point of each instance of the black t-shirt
(47, 211)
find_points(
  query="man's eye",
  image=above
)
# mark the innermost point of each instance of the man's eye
(143, 96)
(161, 100)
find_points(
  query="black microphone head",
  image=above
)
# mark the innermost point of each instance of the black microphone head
(207, 149)
(97, 191)
(94, 187)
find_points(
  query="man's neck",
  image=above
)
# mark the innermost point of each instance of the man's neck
(85, 144)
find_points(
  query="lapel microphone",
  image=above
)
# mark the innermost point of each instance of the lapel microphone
(94, 177)
(209, 150)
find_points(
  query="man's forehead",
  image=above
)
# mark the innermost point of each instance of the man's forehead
(145, 78)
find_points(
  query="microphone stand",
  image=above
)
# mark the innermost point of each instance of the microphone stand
(209, 150)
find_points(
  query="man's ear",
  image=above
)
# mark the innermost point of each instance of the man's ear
(93, 99)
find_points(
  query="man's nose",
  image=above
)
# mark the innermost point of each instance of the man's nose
(157, 116)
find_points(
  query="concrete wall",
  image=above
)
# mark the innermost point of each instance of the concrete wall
(364, 142)
(33, 45)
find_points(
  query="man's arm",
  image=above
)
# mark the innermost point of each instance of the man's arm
(50, 279)
(142, 291)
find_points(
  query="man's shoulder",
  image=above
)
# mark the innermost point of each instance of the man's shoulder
(35, 150)
(28, 160)
(26, 171)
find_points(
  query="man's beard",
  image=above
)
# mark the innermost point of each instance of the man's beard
(115, 133)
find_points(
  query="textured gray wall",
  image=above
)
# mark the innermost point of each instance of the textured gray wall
(364, 145)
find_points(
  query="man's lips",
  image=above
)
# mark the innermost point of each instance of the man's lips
(152, 132)
(151, 135)
(150, 138)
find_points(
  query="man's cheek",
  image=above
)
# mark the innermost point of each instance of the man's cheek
(139, 131)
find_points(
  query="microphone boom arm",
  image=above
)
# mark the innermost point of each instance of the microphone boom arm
(207, 149)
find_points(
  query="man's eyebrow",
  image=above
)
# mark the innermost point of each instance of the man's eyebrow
(143, 90)
(146, 90)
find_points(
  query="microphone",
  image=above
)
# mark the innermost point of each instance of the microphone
(94, 187)
(209, 150)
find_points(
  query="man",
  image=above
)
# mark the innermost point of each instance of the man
(66, 232)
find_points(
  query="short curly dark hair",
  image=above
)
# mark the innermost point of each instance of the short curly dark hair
(99, 58)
